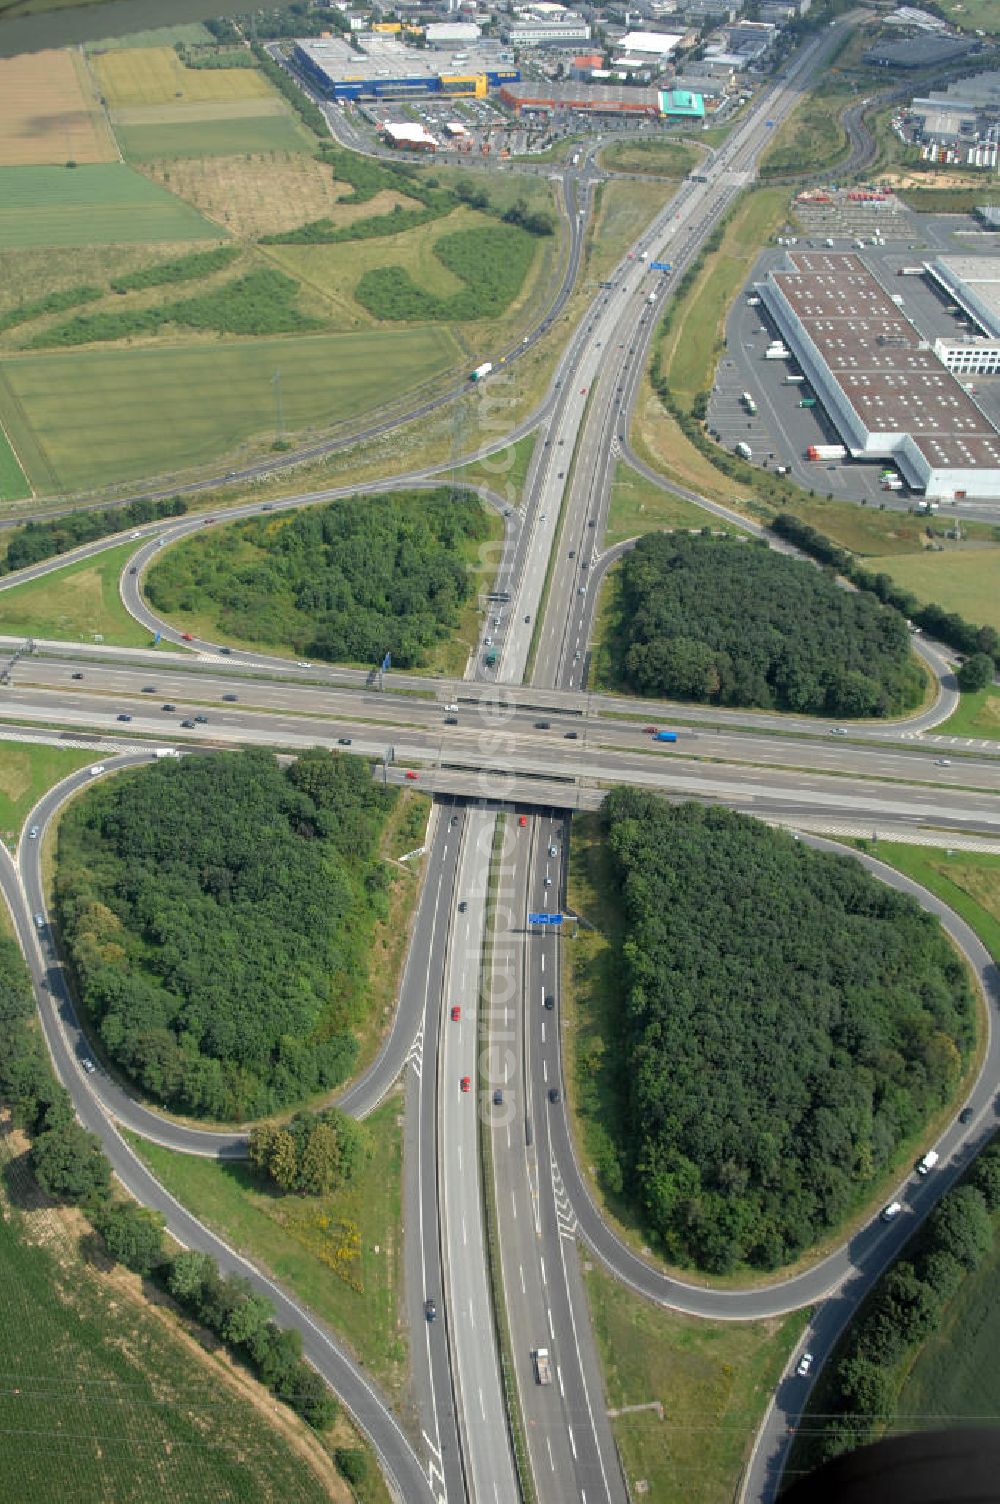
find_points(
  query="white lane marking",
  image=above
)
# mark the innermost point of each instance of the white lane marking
(520, 1270)
(459, 1148)
(542, 1264)
(508, 1135)
(552, 1460)
(513, 1202)
(472, 1323)
(543, 962)
(465, 1237)
(562, 1387)
(552, 1328)
(569, 1433)
(545, 1070)
(482, 1408)
(543, 1031)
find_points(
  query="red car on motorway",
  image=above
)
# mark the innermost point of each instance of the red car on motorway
(466, 1083)
(650, 730)
(187, 637)
(456, 1014)
(522, 819)
(410, 774)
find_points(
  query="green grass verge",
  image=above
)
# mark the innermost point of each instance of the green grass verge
(27, 769)
(712, 1380)
(341, 1255)
(75, 603)
(959, 580)
(812, 137)
(13, 481)
(102, 203)
(105, 1396)
(640, 506)
(695, 338)
(212, 138)
(977, 715)
(623, 211)
(667, 159)
(504, 472)
(96, 417)
(968, 881)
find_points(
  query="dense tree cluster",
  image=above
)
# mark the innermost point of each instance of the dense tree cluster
(347, 583)
(315, 1153)
(52, 302)
(178, 269)
(788, 1021)
(263, 301)
(217, 913)
(906, 1307)
(491, 260)
(947, 626)
(734, 623)
(228, 1306)
(40, 540)
(70, 1165)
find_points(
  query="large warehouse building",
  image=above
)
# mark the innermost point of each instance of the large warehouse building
(973, 282)
(388, 69)
(886, 392)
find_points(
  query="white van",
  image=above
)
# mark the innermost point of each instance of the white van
(892, 1211)
(928, 1162)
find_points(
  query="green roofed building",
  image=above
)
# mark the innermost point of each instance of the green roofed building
(679, 104)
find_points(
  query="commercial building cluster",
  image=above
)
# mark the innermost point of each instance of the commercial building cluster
(540, 55)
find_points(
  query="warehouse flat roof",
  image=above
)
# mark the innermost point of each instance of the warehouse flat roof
(387, 57)
(874, 354)
(978, 275)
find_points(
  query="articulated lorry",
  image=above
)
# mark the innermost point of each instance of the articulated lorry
(543, 1365)
(481, 371)
(826, 452)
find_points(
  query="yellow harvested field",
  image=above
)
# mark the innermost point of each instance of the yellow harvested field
(156, 75)
(50, 113)
(263, 195)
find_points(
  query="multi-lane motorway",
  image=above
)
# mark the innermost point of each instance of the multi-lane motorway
(476, 1032)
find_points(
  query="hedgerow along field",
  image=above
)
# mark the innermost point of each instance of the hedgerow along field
(49, 112)
(87, 419)
(94, 204)
(130, 1407)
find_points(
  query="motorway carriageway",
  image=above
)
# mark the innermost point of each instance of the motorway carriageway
(278, 713)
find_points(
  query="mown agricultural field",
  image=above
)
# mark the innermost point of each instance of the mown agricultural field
(95, 204)
(156, 75)
(49, 112)
(270, 130)
(13, 481)
(90, 418)
(106, 1397)
(163, 110)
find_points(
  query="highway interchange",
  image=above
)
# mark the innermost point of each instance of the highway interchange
(528, 744)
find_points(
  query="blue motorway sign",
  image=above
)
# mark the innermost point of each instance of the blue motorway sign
(661, 266)
(545, 919)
